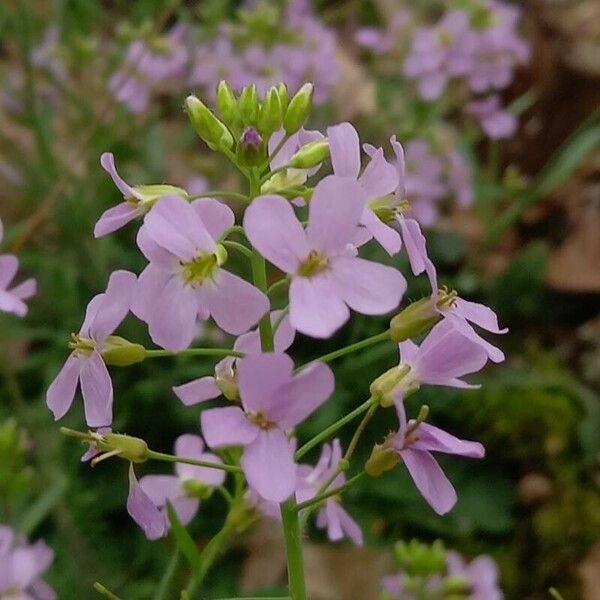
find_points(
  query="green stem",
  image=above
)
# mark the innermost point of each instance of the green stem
(162, 591)
(293, 548)
(153, 455)
(239, 247)
(105, 592)
(270, 174)
(230, 230)
(195, 352)
(334, 492)
(228, 195)
(370, 341)
(278, 148)
(329, 431)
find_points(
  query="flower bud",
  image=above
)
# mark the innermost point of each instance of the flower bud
(284, 96)
(249, 105)
(251, 150)
(130, 448)
(194, 488)
(207, 126)
(415, 319)
(386, 386)
(227, 103)
(271, 114)
(382, 459)
(120, 352)
(299, 109)
(310, 155)
(457, 584)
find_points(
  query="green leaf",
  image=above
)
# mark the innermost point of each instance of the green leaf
(185, 543)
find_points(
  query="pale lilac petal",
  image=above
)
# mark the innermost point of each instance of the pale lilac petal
(155, 253)
(301, 396)
(61, 392)
(446, 353)
(495, 354)
(29, 562)
(249, 343)
(400, 167)
(344, 147)
(197, 390)
(107, 160)
(348, 524)
(97, 391)
(10, 303)
(8, 269)
(235, 304)
(149, 286)
(367, 287)
(269, 466)
(160, 488)
(24, 290)
(116, 217)
(260, 376)
(274, 230)
(216, 216)
(437, 440)
(173, 317)
(143, 511)
(185, 508)
(192, 446)
(479, 314)
(416, 248)
(329, 517)
(114, 305)
(379, 178)
(335, 210)
(176, 226)
(42, 591)
(408, 352)
(430, 480)
(227, 426)
(315, 307)
(388, 237)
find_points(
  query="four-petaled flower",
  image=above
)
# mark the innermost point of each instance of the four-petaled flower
(85, 365)
(184, 280)
(327, 276)
(274, 400)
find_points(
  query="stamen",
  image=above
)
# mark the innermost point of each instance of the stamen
(315, 263)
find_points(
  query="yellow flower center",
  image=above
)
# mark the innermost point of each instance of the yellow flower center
(315, 263)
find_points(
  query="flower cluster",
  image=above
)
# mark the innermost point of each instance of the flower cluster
(12, 300)
(21, 566)
(263, 45)
(310, 224)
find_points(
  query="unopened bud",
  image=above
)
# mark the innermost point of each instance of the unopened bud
(194, 488)
(299, 109)
(382, 459)
(270, 117)
(249, 105)
(415, 319)
(207, 126)
(251, 150)
(227, 103)
(310, 155)
(457, 584)
(284, 96)
(119, 352)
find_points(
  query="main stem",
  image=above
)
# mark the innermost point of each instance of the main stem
(289, 515)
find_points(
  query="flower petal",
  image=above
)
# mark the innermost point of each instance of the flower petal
(107, 160)
(160, 488)
(116, 217)
(344, 147)
(97, 391)
(227, 427)
(430, 480)
(149, 286)
(216, 216)
(315, 307)
(367, 287)
(268, 463)
(143, 511)
(61, 392)
(274, 230)
(197, 390)
(8, 269)
(388, 238)
(437, 440)
(24, 290)
(379, 178)
(479, 314)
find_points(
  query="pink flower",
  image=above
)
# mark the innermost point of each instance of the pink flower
(137, 200)
(11, 301)
(414, 444)
(184, 280)
(85, 365)
(183, 490)
(273, 401)
(327, 276)
(481, 573)
(143, 511)
(224, 380)
(21, 566)
(495, 121)
(331, 516)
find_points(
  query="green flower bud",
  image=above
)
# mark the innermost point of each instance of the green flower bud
(120, 352)
(299, 109)
(194, 488)
(457, 584)
(415, 319)
(270, 117)
(251, 150)
(284, 96)
(310, 155)
(227, 103)
(207, 126)
(249, 105)
(382, 459)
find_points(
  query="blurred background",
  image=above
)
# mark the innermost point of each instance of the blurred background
(508, 193)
